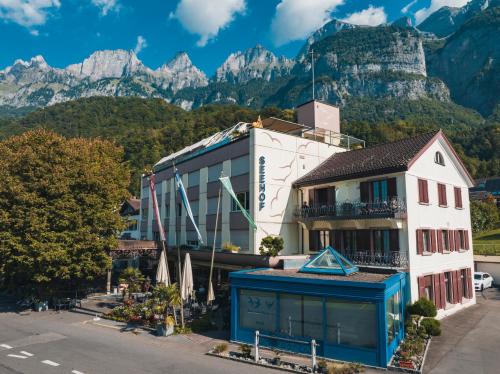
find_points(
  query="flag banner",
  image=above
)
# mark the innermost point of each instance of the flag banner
(226, 182)
(185, 202)
(156, 209)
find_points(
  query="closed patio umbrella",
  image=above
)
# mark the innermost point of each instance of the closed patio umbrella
(187, 278)
(162, 271)
(210, 296)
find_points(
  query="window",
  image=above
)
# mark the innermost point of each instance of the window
(463, 280)
(212, 205)
(240, 238)
(378, 191)
(179, 209)
(448, 288)
(426, 240)
(301, 315)
(318, 240)
(428, 290)
(445, 240)
(442, 195)
(439, 159)
(240, 165)
(458, 197)
(195, 207)
(194, 178)
(214, 172)
(167, 211)
(423, 192)
(349, 237)
(351, 323)
(244, 200)
(257, 310)
(393, 316)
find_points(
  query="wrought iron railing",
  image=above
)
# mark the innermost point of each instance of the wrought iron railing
(395, 259)
(352, 209)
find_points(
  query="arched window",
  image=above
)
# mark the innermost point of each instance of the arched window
(439, 159)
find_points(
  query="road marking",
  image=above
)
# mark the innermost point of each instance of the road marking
(17, 356)
(51, 363)
(27, 353)
(76, 372)
(6, 346)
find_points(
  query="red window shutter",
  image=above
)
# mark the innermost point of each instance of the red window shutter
(420, 191)
(460, 286)
(458, 197)
(456, 278)
(432, 233)
(440, 193)
(469, 283)
(442, 290)
(451, 240)
(445, 198)
(466, 237)
(436, 292)
(453, 281)
(440, 240)
(457, 240)
(420, 242)
(421, 287)
(423, 192)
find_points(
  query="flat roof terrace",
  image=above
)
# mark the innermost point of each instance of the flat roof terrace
(360, 276)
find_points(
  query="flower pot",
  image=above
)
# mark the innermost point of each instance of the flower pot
(161, 330)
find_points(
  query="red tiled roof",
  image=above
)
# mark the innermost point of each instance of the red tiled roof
(379, 159)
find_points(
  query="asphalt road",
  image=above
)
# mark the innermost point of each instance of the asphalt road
(47, 343)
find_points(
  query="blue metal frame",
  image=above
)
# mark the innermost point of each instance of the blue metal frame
(338, 257)
(375, 292)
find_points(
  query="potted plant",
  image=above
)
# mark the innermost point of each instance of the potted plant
(230, 247)
(277, 358)
(165, 328)
(271, 246)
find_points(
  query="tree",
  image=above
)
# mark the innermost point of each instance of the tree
(133, 278)
(59, 209)
(271, 246)
(484, 215)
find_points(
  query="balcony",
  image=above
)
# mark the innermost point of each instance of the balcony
(392, 259)
(395, 208)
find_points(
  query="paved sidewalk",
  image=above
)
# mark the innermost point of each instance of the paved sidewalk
(470, 342)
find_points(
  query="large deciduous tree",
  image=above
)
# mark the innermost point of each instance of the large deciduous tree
(59, 209)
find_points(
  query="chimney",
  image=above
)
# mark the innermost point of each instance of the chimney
(319, 115)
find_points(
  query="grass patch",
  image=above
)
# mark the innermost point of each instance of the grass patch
(487, 243)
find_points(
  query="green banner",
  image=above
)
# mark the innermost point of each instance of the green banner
(227, 185)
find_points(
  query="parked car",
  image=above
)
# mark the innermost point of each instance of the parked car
(482, 280)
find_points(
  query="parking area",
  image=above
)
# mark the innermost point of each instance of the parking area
(470, 342)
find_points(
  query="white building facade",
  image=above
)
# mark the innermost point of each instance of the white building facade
(401, 206)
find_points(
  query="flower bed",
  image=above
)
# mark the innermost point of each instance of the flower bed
(277, 363)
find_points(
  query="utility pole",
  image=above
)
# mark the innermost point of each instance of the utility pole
(312, 69)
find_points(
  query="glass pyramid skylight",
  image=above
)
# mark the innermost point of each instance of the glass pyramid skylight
(329, 261)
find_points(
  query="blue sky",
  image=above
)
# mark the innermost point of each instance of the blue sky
(67, 31)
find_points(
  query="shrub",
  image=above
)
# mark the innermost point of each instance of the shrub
(219, 348)
(245, 350)
(423, 307)
(271, 246)
(230, 247)
(431, 326)
(322, 366)
(202, 324)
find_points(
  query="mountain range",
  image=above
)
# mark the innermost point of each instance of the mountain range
(452, 55)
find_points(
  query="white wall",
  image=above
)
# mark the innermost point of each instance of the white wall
(433, 216)
(287, 159)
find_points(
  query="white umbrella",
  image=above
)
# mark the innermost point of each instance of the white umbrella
(210, 295)
(162, 271)
(187, 278)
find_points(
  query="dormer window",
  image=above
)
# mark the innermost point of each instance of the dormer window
(439, 159)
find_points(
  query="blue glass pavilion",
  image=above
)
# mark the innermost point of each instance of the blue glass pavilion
(353, 315)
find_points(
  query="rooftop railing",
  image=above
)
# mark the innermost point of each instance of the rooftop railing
(352, 209)
(392, 259)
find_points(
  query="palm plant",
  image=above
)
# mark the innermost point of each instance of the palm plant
(133, 278)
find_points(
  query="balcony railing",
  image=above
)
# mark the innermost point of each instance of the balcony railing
(393, 259)
(352, 209)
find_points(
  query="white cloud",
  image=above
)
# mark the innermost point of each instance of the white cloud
(423, 13)
(207, 17)
(106, 6)
(140, 44)
(27, 13)
(370, 16)
(407, 7)
(297, 19)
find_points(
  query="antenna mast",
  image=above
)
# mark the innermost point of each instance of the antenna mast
(312, 68)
